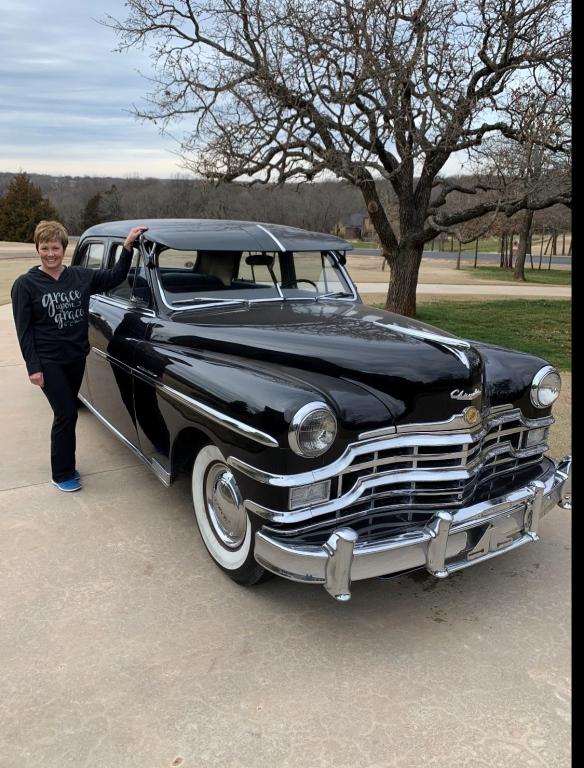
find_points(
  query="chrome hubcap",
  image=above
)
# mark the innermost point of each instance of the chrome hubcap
(225, 506)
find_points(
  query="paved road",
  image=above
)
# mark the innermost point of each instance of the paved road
(122, 646)
(499, 289)
(468, 257)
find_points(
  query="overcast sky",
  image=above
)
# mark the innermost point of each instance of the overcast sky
(63, 94)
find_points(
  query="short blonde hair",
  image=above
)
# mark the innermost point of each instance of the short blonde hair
(46, 231)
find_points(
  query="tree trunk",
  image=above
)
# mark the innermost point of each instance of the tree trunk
(502, 252)
(563, 243)
(541, 248)
(524, 230)
(476, 253)
(403, 281)
(458, 259)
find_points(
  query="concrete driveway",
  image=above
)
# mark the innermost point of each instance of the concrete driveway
(122, 645)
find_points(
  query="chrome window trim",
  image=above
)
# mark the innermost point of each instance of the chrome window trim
(337, 467)
(537, 379)
(230, 302)
(298, 418)
(347, 277)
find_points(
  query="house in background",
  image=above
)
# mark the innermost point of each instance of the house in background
(356, 226)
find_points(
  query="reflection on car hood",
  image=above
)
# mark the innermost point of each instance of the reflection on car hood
(417, 365)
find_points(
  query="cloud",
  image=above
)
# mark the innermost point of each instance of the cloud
(66, 96)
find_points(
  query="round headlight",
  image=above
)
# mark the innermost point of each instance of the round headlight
(313, 430)
(545, 387)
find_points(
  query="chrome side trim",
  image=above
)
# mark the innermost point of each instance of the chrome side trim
(163, 476)
(121, 304)
(114, 360)
(195, 405)
(219, 418)
(472, 435)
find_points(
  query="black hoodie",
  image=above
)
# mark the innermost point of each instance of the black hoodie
(51, 315)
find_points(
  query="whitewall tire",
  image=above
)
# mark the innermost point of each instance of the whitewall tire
(223, 523)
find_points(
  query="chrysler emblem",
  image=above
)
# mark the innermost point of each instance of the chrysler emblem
(471, 415)
(460, 394)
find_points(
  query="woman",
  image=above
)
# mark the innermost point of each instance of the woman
(51, 307)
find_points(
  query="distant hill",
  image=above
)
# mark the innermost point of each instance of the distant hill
(317, 207)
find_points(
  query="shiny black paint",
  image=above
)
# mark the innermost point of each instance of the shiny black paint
(260, 363)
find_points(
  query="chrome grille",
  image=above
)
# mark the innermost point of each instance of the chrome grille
(498, 447)
(396, 482)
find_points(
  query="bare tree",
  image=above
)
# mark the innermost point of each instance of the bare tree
(530, 168)
(362, 89)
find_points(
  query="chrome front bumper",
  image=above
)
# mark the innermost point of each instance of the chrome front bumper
(449, 542)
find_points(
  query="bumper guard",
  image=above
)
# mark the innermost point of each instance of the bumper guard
(450, 542)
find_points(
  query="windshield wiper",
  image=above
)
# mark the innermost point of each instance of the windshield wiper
(199, 299)
(334, 295)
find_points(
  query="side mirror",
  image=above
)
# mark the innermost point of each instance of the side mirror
(342, 257)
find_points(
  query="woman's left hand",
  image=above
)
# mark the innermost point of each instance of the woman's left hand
(132, 236)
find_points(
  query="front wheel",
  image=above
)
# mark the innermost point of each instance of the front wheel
(223, 523)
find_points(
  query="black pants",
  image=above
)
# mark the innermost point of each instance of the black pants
(62, 384)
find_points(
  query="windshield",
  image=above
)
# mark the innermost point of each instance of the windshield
(191, 277)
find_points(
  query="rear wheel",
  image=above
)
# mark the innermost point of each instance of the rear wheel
(223, 523)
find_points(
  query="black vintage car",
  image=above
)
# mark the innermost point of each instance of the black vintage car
(328, 441)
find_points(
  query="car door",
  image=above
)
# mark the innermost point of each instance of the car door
(91, 257)
(116, 325)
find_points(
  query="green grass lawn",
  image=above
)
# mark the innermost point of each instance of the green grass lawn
(547, 276)
(538, 326)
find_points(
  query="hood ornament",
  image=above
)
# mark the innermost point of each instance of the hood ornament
(460, 394)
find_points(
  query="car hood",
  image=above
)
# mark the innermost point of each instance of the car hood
(419, 372)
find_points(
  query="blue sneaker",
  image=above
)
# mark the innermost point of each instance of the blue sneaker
(76, 476)
(68, 485)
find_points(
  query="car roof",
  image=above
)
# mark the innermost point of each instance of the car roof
(222, 235)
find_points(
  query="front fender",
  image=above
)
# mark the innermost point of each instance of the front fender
(263, 398)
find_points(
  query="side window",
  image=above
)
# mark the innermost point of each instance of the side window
(92, 256)
(136, 283)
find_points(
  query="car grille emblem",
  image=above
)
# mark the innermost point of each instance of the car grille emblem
(471, 415)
